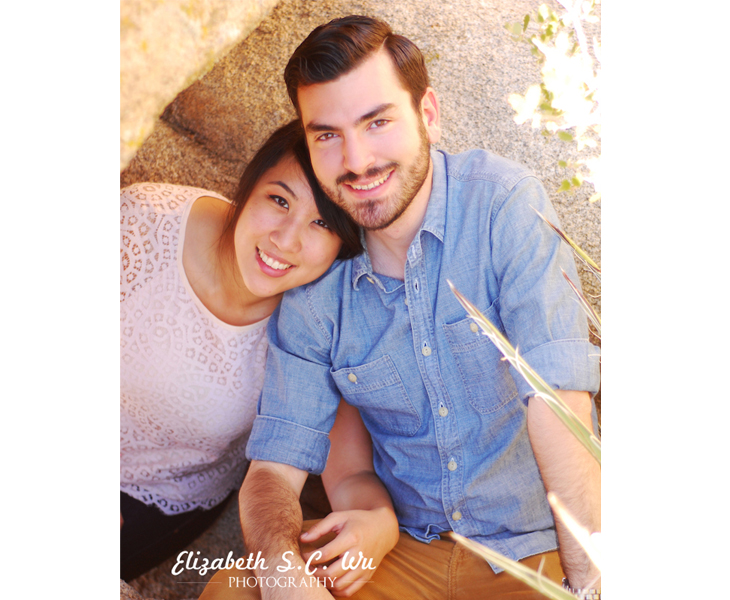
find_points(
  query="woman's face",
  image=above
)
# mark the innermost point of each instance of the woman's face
(281, 241)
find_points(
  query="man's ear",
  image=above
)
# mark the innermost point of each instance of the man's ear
(431, 115)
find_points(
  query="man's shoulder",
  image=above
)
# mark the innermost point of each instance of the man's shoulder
(326, 291)
(482, 165)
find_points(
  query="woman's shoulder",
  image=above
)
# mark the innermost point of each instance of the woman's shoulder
(162, 197)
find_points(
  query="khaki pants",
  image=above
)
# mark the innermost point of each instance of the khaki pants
(441, 570)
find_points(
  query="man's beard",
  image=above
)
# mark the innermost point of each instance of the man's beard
(380, 213)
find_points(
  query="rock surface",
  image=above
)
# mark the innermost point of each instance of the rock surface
(165, 46)
(208, 133)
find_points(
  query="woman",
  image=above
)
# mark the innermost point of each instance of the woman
(200, 277)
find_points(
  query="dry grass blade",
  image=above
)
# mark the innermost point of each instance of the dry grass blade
(587, 308)
(534, 579)
(580, 533)
(576, 248)
(542, 389)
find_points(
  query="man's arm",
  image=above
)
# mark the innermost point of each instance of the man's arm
(569, 471)
(271, 520)
(364, 519)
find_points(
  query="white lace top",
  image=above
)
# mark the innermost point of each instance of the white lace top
(189, 382)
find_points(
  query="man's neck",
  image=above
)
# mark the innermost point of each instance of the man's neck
(388, 248)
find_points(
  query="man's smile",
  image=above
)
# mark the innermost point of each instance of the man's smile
(373, 184)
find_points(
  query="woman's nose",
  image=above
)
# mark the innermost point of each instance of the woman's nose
(287, 236)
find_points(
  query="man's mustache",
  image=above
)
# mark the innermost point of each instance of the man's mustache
(372, 173)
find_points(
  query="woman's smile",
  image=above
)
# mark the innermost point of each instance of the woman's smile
(279, 267)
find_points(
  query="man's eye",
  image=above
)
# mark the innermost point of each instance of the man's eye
(280, 201)
(321, 223)
(325, 136)
(378, 123)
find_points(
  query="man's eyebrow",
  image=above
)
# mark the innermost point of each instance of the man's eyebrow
(375, 112)
(315, 127)
(286, 187)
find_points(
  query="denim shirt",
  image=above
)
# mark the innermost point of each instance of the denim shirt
(447, 416)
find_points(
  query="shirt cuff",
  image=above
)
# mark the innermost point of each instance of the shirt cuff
(281, 441)
(563, 365)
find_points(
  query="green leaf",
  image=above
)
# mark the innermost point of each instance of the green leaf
(564, 186)
(562, 163)
(565, 136)
(542, 390)
(525, 22)
(577, 180)
(587, 308)
(579, 252)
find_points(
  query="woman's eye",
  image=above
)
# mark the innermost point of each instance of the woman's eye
(280, 201)
(321, 223)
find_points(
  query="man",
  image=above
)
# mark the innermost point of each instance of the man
(458, 441)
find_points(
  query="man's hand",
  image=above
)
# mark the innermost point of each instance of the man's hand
(369, 534)
(364, 519)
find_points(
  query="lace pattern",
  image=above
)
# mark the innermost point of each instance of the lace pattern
(189, 382)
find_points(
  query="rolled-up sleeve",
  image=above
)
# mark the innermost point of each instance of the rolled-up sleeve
(541, 316)
(299, 399)
(564, 365)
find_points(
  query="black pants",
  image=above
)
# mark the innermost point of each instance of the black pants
(149, 536)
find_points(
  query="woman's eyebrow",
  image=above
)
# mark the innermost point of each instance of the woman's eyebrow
(286, 187)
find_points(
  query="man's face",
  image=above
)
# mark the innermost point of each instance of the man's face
(369, 147)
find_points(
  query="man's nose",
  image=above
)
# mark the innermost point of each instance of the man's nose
(358, 156)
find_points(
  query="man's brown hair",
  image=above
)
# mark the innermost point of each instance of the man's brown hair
(337, 47)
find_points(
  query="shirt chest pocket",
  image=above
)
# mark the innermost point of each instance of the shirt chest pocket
(376, 389)
(486, 377)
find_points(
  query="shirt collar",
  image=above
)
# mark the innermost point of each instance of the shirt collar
(434, 222)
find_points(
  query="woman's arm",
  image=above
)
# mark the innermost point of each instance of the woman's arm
(364, 519)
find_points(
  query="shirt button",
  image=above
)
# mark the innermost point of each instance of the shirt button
(474, 327)
(443, 411)
(352, 377)
(426, 351)
(456, 516)
(452, 465)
